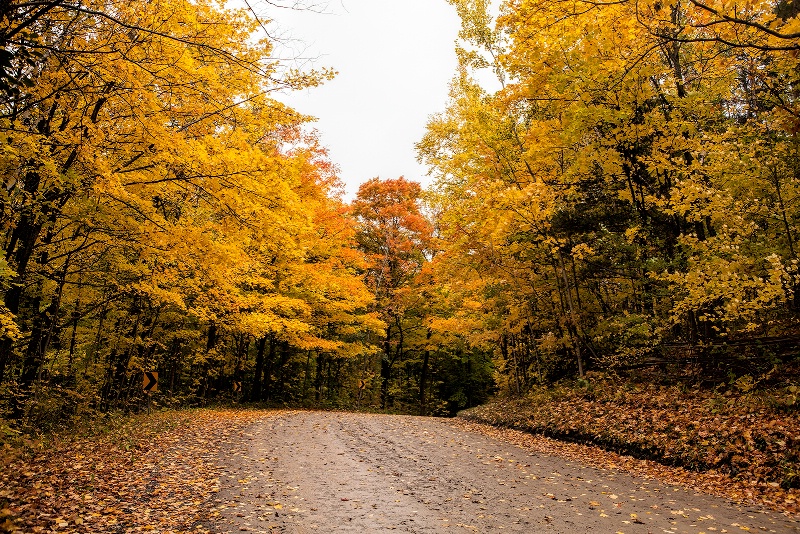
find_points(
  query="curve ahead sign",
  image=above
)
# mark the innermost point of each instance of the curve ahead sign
(150, 382)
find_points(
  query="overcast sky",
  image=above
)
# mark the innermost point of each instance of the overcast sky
(395, 59)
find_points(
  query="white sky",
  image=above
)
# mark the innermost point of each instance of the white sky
(395, 59)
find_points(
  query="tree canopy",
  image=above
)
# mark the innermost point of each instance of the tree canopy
(627, 198)
(629, 195)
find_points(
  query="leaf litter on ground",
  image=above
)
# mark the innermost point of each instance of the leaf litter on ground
(154, 473)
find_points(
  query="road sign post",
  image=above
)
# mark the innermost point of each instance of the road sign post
(362, 384)
(149, 385)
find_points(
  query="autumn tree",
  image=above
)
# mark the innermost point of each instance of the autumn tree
(161, 211)
(607, 199)
(395, 235)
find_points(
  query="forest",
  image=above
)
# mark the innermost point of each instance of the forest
(626, 202)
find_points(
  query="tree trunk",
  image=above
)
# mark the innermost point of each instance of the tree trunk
(255, 394)
(318, 377)
(423, 377)
(386, 368)
(573, 330)
(267, 389)
(285, 354)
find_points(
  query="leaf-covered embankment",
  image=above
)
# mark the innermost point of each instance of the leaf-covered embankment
(752, 440)
(143, 473)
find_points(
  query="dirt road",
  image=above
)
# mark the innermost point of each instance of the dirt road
(337, 472)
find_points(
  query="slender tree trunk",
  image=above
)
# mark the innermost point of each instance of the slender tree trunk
(174, 359)
(242, 354)
(285, 354)
(120, 364)
(318, 377)
(306, 376)
(386, 368)
(386, 373)
(504, 348)
(515, 357)
(573, 330)
(795, 301)
(423, 377)
(255, 394)
(211, 337)
(267, 389)
(34, 356)
(6, 349)
(92, 356)
(43, 326)
(76, 315)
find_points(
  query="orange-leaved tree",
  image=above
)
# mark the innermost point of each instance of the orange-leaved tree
(395, 235)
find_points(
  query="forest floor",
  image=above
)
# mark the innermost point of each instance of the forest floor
(297, 471)
(145, 473)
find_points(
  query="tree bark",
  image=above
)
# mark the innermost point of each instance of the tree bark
(255, 394)
(423, 377)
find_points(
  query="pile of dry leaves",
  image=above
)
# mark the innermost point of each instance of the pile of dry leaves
(148, 473)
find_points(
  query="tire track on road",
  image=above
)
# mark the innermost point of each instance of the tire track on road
(344, 472)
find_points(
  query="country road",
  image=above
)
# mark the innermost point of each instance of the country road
(302, 472)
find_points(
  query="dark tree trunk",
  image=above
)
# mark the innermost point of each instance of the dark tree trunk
(267, 390)
(318, 377)
(212, 337)
(423, 377)
(285, 354)
(73, 340)
(386, 368)
(34, 356)
(174, 360)
(255, 394)
(386, 372)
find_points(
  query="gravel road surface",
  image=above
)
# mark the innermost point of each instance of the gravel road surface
(302, 472)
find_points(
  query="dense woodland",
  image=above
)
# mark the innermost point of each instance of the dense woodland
(630, 196)
(627, 199)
